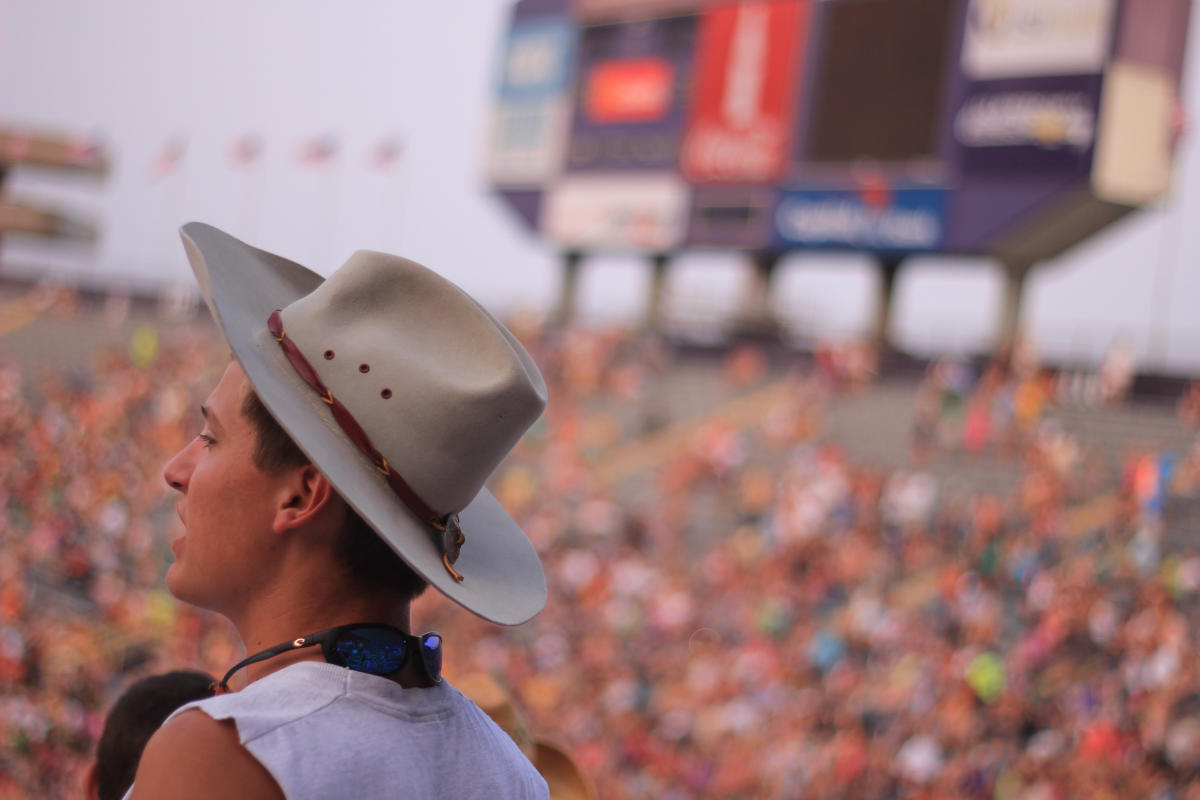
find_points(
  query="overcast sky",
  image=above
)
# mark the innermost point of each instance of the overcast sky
(140, 74)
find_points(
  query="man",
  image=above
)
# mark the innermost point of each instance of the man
(339, 470)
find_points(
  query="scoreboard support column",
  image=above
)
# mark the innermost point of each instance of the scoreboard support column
(1015, 273)
(889, 267)
(756, 319)
(567, 296)
(652, 322)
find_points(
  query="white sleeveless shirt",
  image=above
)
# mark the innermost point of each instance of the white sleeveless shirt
(324, 731)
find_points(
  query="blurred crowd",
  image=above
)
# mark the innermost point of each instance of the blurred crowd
(739, 611)
(84, 533)
(1001, 405)
(755, 615)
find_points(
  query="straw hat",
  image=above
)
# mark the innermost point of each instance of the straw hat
(564, 776)
(403, 391)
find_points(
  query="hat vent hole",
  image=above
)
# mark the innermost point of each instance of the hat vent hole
(329, 355)
(386, 394)
(364, 368)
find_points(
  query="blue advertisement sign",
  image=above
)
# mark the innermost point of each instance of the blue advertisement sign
(537, 59)
(529, 124)
(886, 220)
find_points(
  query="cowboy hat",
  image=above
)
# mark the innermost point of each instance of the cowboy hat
(403, 391)
(563, 774)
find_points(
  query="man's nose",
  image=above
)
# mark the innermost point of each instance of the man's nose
(178, 470)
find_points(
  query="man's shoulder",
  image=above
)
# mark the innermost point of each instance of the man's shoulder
(198, 753)
(179, 757)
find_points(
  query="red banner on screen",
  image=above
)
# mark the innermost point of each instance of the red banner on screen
(629, 90)
(746, 80)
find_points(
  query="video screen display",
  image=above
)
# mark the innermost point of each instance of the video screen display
(630, 108)
(880, 80)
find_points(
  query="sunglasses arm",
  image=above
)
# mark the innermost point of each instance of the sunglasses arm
(295, 644)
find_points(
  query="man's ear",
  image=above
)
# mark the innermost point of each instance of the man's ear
(305, 497)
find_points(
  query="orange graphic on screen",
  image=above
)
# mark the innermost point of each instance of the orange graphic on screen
(631, 90)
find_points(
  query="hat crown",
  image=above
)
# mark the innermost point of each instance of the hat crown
(439, 385)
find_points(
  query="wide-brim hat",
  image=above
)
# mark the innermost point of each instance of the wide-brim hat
(403, 391)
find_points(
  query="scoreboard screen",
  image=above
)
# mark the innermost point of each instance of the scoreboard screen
(879, 77)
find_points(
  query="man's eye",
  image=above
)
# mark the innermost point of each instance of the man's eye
(207, 440)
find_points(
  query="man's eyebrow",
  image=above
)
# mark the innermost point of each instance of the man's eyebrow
(210, 416)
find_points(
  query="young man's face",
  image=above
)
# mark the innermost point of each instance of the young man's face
(227, 505)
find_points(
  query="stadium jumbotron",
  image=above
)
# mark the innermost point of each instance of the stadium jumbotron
(1010, 130)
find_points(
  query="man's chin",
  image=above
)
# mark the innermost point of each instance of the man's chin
(185, 589)
(177, 585)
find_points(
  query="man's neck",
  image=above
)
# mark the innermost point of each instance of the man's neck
(273, 625)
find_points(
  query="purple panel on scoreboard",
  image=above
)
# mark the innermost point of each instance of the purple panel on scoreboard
(984, 209)
(1027, 125)
(731, 216)
(630, 107)
(537, 8)
(526, 204)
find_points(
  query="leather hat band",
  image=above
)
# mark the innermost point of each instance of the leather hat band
(450, 536)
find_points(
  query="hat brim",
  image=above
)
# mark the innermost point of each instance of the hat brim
(503, 581)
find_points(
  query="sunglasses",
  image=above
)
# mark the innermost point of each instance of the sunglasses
(369, 647)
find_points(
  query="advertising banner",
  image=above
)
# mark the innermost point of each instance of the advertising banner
(633, 86)
(879, 219)
(1028, 124)
(746, 82)
(1019, 38)
(529, 123)
(636, 212)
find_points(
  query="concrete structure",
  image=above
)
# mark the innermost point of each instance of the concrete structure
(1009, 129)
(20, 149)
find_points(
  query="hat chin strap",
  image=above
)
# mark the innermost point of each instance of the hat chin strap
(450, 537)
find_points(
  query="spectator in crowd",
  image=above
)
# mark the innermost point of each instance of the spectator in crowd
(564, 777)
(137, 714)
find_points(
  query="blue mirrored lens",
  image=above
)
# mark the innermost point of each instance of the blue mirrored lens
(377, 651)
(431, 654)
